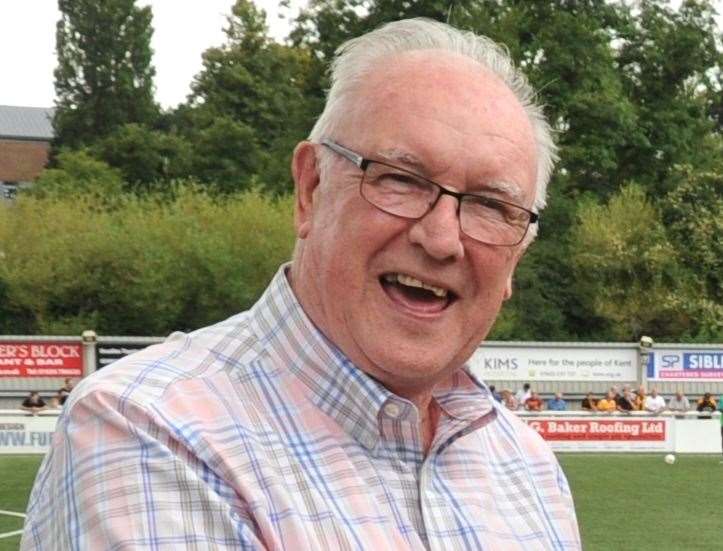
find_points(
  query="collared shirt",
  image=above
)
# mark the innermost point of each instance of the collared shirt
(654, 403)
(258, 433)
(678, 405)
(553, 404)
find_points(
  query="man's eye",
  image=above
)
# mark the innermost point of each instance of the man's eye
(401, 182)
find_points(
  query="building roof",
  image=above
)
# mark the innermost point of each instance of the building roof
(26, 123)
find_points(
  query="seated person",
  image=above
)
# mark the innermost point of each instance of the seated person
(534, 402)
(557, 403)
(679, 403)
(607, 404)
(626, 402)
(640, 399)
(495, 394)
(654, 403)
(706, 403)
(33, 403)
(65, 390)
(509, 400)
(589, 402)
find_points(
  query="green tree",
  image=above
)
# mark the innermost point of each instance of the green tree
(691, 214)
(146, 158)
(248, 106)
(77, 174)
(148, 266)
(104, 77)
(627, 269)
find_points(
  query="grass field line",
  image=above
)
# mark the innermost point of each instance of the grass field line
(11, 534)
(12, 513)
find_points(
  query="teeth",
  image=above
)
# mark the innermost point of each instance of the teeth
(410, 281)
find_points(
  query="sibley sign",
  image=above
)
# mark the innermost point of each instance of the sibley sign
(41, 359)
(686, 364)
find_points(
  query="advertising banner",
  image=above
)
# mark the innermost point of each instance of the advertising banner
(41, 359)
(109, 353)
(504, 363)
(648, 434)
(686, 364)
(26, 434)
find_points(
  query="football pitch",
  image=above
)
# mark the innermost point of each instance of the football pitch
(623, 501)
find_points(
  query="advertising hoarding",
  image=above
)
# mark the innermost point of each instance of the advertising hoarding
(554, 363)
(685, 364)
(596, 434)
(26, 433)
(41, 359)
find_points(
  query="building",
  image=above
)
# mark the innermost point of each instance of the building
(25, 136)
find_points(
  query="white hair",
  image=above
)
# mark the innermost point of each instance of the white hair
(357, 57)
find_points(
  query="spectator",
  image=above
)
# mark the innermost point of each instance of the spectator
(495, 394)
(607, 404)
(33, 403)
(640, 399)
(509, 400)
(65, 390)
(626, 402)
(654, 403)
(589, 402)
(679, 403)
(706, 403)
(534, 402)
(523, 394)
(557, 403)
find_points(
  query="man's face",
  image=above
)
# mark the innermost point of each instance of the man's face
(358, 269)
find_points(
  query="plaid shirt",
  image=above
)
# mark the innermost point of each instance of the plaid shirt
(258, 433)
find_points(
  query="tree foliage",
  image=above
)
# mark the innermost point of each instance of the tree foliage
(104, 77)
(145, 265)
(249, 106)
(630, 240)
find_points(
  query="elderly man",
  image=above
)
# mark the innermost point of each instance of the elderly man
(679, 403)
(654, 403)
(338, 413)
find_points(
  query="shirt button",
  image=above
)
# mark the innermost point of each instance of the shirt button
(392, 410)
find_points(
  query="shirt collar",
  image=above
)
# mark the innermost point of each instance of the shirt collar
(338, 388)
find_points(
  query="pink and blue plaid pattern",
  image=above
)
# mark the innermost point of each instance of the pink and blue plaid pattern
(257, 433)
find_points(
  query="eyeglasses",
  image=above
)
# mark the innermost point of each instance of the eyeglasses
(405, 194)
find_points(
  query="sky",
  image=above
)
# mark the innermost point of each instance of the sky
(183, 30)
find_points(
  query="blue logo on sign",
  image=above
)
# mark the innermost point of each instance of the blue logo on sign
(703, 360)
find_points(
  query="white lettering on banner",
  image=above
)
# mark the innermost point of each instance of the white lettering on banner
(13, 351)
(10, 361)
(51, 371)
(705, 361)
(54, 351)
(10, 372)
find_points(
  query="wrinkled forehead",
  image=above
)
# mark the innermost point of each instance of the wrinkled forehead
(434, 104)
(431, 80)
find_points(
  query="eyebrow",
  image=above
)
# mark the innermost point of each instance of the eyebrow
(404, 157)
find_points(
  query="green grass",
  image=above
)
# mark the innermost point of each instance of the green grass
(623, 501)
(638, 502)
(17, 473)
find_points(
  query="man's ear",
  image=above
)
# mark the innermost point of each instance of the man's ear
(306, 177)
(519, 253)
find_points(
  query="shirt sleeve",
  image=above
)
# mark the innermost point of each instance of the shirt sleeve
(118, 477)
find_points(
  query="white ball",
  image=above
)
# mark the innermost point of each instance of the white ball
(670, 459)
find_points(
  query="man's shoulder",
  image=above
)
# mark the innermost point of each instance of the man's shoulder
(228, 350)
(532, 445)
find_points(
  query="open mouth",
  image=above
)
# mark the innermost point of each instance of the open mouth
(416, 295)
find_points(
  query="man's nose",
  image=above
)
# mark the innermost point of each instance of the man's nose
(438, 231)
